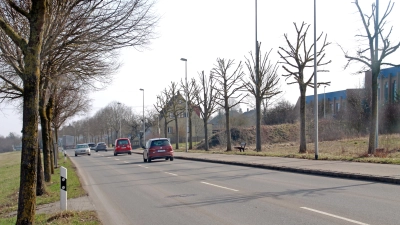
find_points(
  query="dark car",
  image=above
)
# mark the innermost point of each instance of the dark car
(158, 148)
(122, 145)
(101, 146)
(92, 146)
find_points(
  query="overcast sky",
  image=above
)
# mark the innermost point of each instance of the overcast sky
(203, 30)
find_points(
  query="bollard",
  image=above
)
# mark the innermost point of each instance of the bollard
(63, 188)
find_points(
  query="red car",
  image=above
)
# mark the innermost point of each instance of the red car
(158, 148)
(122, 145)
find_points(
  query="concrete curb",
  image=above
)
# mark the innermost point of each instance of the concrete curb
(354, 176)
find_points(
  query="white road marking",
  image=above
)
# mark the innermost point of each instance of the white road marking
(339, 217)
(126, 162)
(171, 174)
(108, 157)
(116, 159)
(219, 186)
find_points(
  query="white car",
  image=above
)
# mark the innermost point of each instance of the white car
(82, 149)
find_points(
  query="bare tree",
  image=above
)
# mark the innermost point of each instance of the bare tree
(296, 58)
(372, 57)
(190, 89)
(262, 85)
(162, 108)
(33, 13)
(176, 108)
(206, 98)
(227, 87)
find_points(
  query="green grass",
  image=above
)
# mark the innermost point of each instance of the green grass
(61, 218)
(9, 186)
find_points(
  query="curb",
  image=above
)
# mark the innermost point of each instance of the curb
(327, 173)
(356, 176)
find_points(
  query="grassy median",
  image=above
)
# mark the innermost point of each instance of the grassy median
(9, 186)
(353, 149)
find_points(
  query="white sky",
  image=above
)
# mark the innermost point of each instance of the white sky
(203, 30)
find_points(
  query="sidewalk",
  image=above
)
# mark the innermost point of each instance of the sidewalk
(386, 173)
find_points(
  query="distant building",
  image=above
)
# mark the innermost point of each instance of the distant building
(337, 101)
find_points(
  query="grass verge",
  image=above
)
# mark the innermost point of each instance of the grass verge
(354, 149)
(9, 186)
(61, 218)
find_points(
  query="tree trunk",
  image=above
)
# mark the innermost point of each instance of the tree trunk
(176, 133)
(45, 140)
(190, 131)
(258, 122)
(374, 112)
(28, 174)
(40, 190)
(206, 134)
(49, 115)
(165, 127)
(303, 144)
(228, 129)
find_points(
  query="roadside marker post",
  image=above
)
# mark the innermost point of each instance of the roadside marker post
(63, 188)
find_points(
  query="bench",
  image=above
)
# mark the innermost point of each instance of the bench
(241, 147)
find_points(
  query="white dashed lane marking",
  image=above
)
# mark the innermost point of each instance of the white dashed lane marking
(219, 186)
(171, 174)
(338, 217)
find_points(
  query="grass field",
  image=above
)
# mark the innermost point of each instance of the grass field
(354, 149)
(9, 186)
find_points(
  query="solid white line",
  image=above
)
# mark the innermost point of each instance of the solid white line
(339, 217)
(172, 174)
(219, 186)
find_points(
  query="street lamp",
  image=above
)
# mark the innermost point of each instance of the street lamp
(119, 105)
(144, 126)
(315, 82)
(324, 101)
(186, 104)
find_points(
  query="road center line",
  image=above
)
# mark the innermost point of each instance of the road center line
(219, 186)
(171, 174)
(339, 217)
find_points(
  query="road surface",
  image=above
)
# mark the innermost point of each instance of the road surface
(125, 190)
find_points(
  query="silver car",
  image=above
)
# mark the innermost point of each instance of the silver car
(82, 149)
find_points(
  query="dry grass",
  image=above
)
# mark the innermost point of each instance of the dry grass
(352, 149)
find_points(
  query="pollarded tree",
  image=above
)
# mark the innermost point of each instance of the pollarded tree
(296, 58)
(176, 108)
(262, 85)
(206, 98)
(372, 56)
(190, 89)
(228, 87)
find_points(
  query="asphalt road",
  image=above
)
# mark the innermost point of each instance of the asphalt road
(125, 190)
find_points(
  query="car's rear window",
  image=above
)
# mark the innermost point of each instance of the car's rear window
(159, 143)
(91, 145)
(122, 142)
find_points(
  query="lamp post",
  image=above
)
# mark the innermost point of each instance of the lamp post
(315, 82)
(144, 126)
(186, 104)
(119, 105)
(377, 58)
(324, 101)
